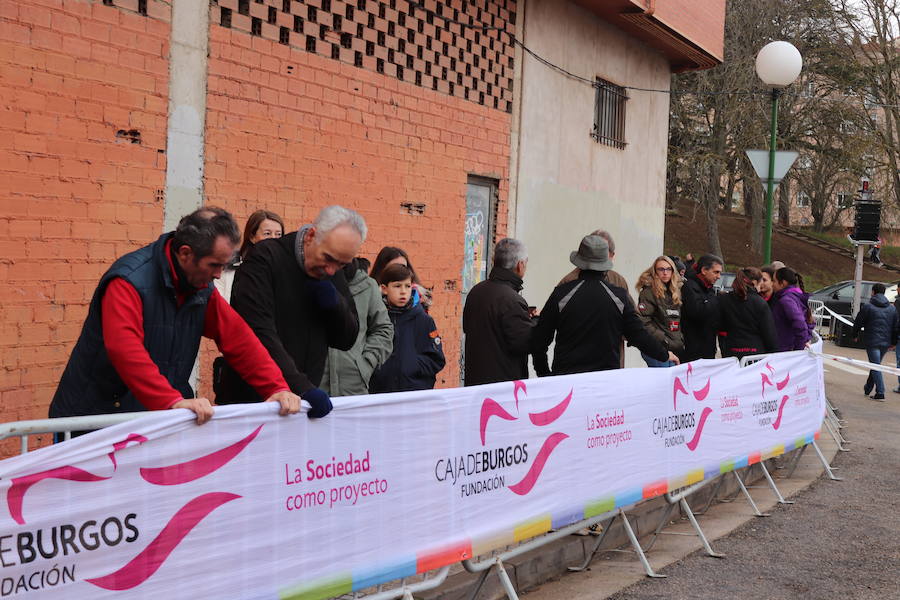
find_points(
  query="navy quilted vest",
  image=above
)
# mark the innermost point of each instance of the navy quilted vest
(90, 385)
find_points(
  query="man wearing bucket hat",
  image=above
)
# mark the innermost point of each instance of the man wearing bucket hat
(589, 316)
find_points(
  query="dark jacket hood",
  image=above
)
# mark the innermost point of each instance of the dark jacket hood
(879, 300)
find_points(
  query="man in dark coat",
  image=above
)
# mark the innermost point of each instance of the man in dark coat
(699, 308)
(140, 339)
(879, 321)
(496, 320)
(589, 316)
(294, 295)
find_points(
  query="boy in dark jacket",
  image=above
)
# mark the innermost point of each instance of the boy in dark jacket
(879, 319)
(417, 356)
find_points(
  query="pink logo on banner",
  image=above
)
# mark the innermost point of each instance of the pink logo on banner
(145, 564)
(678, 387)
(148, 561)
(695, 441)
(771, 381)
(15, 495)
(491, 408)
(699, 395)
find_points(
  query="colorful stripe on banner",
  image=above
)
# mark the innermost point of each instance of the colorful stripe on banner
(560, 521)
(373, 576)
(773, 452)
(486, 544)
(442, 557)
(319, 590)
(655, 489)
(630, 497)
(604, 505)
(529, 529)
(438, 558)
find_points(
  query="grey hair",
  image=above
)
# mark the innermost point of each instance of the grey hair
(334, 216)
(606, 236)
(509, 252)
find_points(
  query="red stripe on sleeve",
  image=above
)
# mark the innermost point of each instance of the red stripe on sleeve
(241, 348)
(123, 335)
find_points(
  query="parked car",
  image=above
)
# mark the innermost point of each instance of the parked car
(723, 285)
(838, 297)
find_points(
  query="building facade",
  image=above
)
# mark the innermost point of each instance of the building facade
(430, 118)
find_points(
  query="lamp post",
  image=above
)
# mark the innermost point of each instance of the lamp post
(778, 64)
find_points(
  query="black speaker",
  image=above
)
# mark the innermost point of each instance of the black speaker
(867, 221)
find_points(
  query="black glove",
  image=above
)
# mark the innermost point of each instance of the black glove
(324, 293)
(319, 402)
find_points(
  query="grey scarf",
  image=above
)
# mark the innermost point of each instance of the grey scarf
(298, 247)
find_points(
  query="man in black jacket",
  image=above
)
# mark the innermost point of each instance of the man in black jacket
(879, 322)
(496, 320)
(699, 308)
(293, 294)
(589, 316)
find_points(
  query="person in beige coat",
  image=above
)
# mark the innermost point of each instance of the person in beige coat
(659, 307)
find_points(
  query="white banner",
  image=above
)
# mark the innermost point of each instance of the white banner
(253, 505)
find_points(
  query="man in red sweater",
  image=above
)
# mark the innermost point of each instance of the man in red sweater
(142, 333)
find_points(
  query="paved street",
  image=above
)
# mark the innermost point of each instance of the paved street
(840, 539)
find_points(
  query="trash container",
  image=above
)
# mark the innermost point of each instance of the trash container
(843, 334)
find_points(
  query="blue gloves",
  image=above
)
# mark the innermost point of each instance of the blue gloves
(319, 402)
(324, 293)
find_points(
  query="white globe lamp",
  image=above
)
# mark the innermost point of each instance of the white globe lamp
(778, 64)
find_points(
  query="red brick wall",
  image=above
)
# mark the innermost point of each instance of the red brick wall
(73, 194)
(83, 106)
(292, 131)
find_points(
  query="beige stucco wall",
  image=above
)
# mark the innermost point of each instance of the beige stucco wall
(566, 183)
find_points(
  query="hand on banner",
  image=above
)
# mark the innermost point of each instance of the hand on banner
(201, 406)
(290, 402)
(674, 358)
(319, 402)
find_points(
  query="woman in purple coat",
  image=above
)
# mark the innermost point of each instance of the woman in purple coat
(790, 310)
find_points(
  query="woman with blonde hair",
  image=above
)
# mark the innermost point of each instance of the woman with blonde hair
(659, 307)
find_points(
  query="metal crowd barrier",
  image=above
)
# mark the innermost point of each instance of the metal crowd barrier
(817, 309)
(64, 426)
(495, 561)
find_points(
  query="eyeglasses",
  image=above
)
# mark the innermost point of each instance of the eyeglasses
(664, 269)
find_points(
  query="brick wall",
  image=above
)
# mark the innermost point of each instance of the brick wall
(291, 126)
(83, 102)
(292, 131)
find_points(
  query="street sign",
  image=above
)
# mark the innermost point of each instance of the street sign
(760, 161)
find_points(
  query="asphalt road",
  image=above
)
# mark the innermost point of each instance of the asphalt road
(840, 540)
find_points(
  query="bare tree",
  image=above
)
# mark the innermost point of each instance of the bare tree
(720, 113)
(872, 28)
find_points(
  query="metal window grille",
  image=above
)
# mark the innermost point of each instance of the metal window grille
(609, 114)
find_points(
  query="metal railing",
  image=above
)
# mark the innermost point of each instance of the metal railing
(494, 562)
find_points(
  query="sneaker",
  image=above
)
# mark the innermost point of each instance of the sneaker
(879, 397)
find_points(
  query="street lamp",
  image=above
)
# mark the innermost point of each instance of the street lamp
(778, 64)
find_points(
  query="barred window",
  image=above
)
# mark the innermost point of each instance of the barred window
(609, 114)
